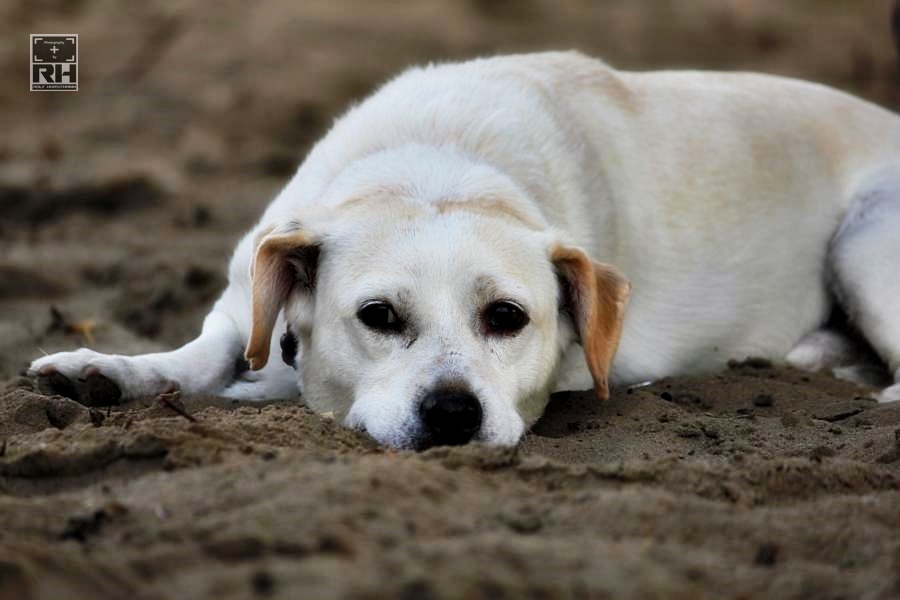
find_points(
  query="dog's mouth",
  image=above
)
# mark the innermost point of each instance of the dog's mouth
(446, 413)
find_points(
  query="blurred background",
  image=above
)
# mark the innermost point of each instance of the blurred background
(120, 203)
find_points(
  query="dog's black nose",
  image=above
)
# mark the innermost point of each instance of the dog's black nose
(450, 417)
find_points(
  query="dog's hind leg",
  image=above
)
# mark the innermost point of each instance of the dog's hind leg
(864, 263)
(837, 348)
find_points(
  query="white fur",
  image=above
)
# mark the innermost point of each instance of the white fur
(716, 194)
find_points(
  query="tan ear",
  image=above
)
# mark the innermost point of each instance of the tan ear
(283, 262)
(596, 294)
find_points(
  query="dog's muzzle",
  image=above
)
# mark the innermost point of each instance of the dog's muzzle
(450, 417)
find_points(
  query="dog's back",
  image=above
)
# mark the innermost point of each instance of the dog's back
(710, 190)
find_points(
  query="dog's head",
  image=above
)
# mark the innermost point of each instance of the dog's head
(432, 323)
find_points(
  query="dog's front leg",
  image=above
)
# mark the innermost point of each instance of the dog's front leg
(202, 365)
(573, 374)
(213, 363)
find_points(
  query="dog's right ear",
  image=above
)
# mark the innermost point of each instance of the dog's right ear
(284, 262)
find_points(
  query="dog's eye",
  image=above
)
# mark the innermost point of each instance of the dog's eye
(504, 318)
(380, 316)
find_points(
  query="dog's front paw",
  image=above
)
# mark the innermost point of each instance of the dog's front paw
(85, 376)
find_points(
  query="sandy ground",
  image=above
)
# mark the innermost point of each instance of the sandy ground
(119, 205)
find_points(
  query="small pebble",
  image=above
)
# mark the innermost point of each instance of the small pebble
(763, 400)
(767, 555)
(263, 583)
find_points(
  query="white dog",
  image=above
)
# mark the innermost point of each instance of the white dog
(443, 256)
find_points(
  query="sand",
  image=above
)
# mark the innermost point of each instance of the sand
(119, 205)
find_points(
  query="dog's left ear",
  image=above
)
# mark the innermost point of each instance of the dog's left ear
(284, 262)
(596, 295)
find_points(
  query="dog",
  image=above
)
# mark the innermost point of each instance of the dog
(465, 242)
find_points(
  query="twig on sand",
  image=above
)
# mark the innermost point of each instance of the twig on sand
(169, 399)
